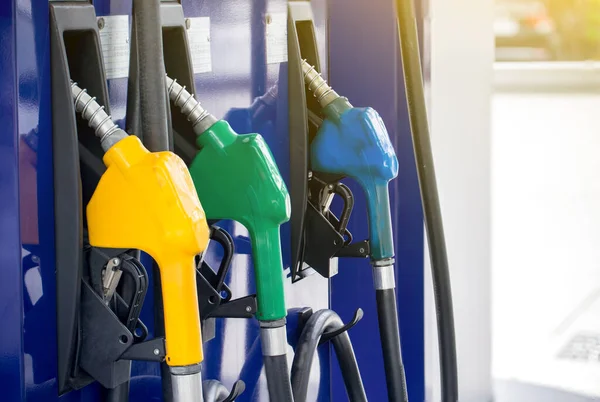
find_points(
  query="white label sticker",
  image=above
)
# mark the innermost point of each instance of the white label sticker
(276, 37)
(199, 38)
(114, 37)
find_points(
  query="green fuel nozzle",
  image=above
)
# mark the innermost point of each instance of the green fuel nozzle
(236, 178)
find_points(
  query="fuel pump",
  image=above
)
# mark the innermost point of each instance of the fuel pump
(237, 179)
(248, 189)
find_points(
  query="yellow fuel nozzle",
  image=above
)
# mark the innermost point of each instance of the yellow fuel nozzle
(148, 201)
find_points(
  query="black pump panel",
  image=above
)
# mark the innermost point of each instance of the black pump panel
(298, 128)
(317, 234)
(301, 45)
(77, 159)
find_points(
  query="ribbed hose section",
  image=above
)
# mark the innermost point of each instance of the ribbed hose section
(278, 378)
(153, 95)
(415, 97)
(200, 118)
(317, 85)
(387, 315)
(102, 124)
(214, 391)
(319, 323)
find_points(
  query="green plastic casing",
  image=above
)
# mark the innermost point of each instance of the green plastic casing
(237, 179)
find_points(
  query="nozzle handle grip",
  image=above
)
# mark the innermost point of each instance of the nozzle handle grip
(182, 322)
(268, 271)
(380, 219)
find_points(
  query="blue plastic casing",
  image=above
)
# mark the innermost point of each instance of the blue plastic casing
(354, 142)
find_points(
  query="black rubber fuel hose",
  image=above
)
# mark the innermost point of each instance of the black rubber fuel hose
(154, 115)
(387, 315)
(153, 118)
(320, 322)
(415, 96)
(278, 380)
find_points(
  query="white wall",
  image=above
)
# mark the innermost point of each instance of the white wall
(462, 52)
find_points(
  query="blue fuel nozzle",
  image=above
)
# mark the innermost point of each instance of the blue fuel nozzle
(354, 142)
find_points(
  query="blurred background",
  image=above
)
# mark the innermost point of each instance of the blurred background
(514, 105)
(547, 30)
(545, 198)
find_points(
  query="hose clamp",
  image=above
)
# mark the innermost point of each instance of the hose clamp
(384, 262)
(185, 370)
(273, 341)
(187, 387)
(383, 275)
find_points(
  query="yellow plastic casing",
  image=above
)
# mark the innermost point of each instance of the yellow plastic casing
(148, 201)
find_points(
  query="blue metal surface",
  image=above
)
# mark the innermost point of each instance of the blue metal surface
(240, 77)
(364, 67)
(11, 283)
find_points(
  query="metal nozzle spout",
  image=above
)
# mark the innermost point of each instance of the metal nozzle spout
(201, 119)
(317, 85)
(102, 124)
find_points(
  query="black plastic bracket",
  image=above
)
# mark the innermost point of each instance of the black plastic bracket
(214, 296)
(244, 307)
(322, 241)
(361, 249)
(153, 350)
(103, 340)
(298, 129)
(303, 316)
(110, 329)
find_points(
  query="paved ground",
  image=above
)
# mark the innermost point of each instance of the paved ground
(546, 247)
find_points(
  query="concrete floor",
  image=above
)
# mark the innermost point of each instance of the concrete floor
(546, 247)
